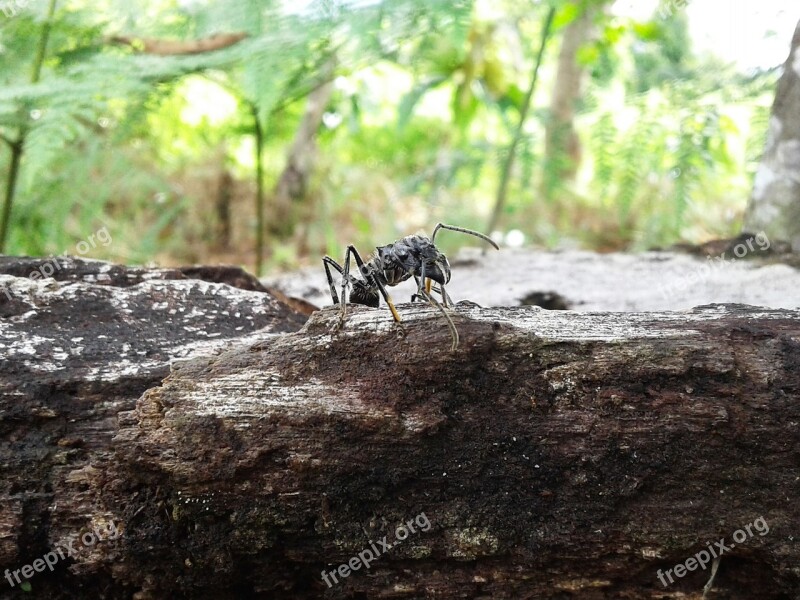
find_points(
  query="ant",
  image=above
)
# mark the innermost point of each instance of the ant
(412, 256)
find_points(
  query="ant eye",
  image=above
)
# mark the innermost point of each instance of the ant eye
(364, 270)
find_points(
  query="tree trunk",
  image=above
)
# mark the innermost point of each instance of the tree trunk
(562, 145)
(292, 186)
(16, 146)
(222, 208)
(555, 454)
(775, 203)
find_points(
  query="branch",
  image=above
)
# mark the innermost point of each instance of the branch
(505, 177)
(176, 47)
(17, 147)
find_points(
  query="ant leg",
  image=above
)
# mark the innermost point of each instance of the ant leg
(428, 283)
(446, 299)
(387, 298)
(431, 300)
(417, 296)
(346, 282)
(328, 262)
(368, 275)
(450, 324)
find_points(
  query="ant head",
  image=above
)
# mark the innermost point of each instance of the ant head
(384, 252)
(438, 270)
(392, 254)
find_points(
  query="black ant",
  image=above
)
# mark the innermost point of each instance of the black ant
(412, 256)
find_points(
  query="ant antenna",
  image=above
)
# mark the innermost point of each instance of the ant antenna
(462, 230)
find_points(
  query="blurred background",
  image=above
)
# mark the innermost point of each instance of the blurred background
(269, 133)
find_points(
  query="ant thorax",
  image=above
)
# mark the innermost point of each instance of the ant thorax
(414, 255)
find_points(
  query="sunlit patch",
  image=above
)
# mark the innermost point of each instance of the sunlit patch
(515, 239)
(206, 101)
(332, 120)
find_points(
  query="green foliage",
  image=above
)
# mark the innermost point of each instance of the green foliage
(662, 52)
(603, 141)
(428, 95)
(656, 168)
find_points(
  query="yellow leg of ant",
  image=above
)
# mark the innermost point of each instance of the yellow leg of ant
(369, 278)
(428, 284)
(387, 298)
(395, 314)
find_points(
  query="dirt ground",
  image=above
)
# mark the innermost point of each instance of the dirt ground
(588, 281)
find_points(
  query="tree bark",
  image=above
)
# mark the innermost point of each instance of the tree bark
(77, 348)
(562, 145)
(554, 454)
(292, 186)
(774, 206)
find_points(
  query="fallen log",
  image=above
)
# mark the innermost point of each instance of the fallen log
(80, 341)
(554, 454)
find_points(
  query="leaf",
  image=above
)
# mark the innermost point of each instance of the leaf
(568, 13)
(465, 105)
(514, 96)
(588, 55)
(650, 31)
(410, 100)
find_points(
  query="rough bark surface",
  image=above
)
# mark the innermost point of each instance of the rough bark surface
(775, 202)
(555, 454)
(78, 348)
